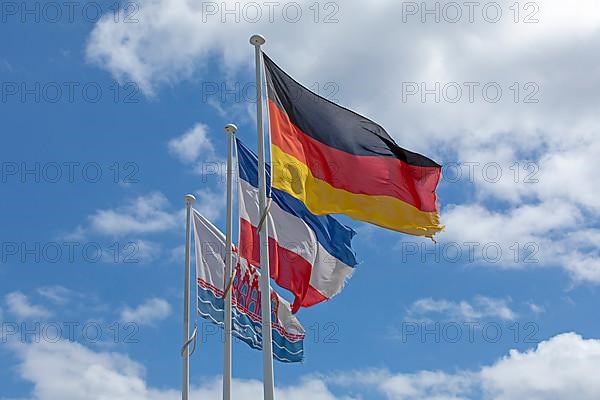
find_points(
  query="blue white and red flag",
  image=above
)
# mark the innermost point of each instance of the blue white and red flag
(310, 255)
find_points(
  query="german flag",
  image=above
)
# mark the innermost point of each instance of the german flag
(338, 162)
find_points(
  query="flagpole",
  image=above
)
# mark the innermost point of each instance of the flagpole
(185, 379)
(230, 130)
(265, 285)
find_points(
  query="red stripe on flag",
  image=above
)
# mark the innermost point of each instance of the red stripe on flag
(288, 269)
(370, 175)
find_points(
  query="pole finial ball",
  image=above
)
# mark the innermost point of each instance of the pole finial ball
(189, 199)
(257, 40)
(230, 128)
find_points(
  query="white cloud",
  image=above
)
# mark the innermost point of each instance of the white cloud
(177, 255)
(57, 294)
(513, 173)
(422, 385)
(568, 173)
(148, 313)
(561, 368)
(210, 203)
(307, 387)
(133, 252)
(143, 252)
(427, 385)
(144, 214)
(536, 309)
(481, 307)
(193, 143)
(195, 148)
(19, 305)
(559, 133)
(70, 371)
(550, 233)
(77, 235)
(436, 52)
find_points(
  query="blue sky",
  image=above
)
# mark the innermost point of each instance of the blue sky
(107, 124)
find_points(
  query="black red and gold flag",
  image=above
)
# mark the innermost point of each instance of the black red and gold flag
(338, 162)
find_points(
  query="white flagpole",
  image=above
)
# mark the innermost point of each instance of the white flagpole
(185, 379)
(230, 130)
(265, 285)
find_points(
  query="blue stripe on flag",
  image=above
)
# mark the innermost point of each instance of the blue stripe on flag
(335, 237)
